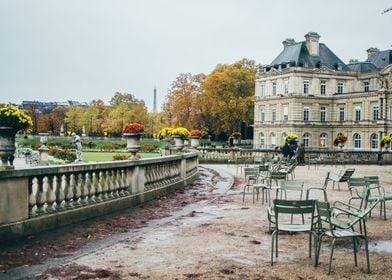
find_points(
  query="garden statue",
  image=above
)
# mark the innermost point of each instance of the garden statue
(77, 143)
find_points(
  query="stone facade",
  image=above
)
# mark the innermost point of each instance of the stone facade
(309, 91)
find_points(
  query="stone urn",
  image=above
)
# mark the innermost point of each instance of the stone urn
(7, 146)
(195, 141)
(178, 142)
(133, 141)
(236, 141)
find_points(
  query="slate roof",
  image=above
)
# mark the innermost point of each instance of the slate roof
(380, 59)
(362, 67)
(298, 54)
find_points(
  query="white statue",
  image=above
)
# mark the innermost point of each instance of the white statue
(78, 146)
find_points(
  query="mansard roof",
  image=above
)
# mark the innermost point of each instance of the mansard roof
(362, 67)
(380, 59)
(297, 54)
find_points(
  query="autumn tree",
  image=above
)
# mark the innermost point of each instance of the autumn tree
(228, 97)
(73, 119)
(182, 105)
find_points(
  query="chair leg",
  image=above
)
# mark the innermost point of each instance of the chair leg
(355, 251)
(272, 247)
(331, 255)
(367, 254)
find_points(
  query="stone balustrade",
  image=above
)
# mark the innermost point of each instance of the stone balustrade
(233, 155)
(41, 198)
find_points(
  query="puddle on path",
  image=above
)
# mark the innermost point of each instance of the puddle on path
(381, 246)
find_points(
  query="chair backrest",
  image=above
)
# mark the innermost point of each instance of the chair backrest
(283, 206)
(292, 184)
(277, 176)
(251, 171)
(374, 184)
(326, 180)
(347, 175)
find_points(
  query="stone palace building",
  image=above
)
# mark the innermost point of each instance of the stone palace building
(309, 91)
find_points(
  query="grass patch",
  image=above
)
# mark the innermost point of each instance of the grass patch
(108, 156)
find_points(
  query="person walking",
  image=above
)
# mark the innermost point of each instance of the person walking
(301, 155)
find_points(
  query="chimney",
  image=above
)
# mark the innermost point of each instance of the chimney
(312, 43)
(371, 51)
(288, 42)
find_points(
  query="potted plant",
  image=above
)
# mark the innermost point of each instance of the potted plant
(179, 134)
(12, 120)
(292, 137)
(340, 140)
(165, 133)
(195, 137)
(385, 141)
(132, 132)
(236, 136)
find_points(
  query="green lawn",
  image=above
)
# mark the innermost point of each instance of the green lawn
(107, 156)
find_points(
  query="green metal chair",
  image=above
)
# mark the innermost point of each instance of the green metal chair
(323, 188)
(336, 228)
(282, 218)
(378, 192)
(251, 177)
(341, 177)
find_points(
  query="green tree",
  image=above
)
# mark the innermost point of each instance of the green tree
(73, 119)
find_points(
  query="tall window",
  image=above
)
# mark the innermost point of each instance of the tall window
(262, 89)
(273, 114)
(306, 87)
(357, 113)
(262, 140)
(273, 139)
(286, 113)
(366, 86)
(374, 141)
(273, 88)
(306, 139)
(306, 114)
(340, 87)
(323, 114)
(375, 112)
(286, 87)
(323, 140)
(262, 115)
(341, 114)
(357, 141)
(323, 87)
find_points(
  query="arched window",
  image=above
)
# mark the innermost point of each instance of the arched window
(374, 141)
(273, 140)
(357, 141)
(262, 140)
(323, 140)
(306, 139)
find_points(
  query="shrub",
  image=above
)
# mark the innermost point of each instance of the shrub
(121, 156)
(62, 154)
(148, 148)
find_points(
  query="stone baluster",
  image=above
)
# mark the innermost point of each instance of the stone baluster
(119, 182)
(40, 196)
(93, 188)
(104, 186)
(32, 197)
(83, 188)
(50, 194)
(115, 183)
(76, 190)
(97, 186)
(108, 183)
(124, 181)
(68, 190)
(59, 192)
(90, 188)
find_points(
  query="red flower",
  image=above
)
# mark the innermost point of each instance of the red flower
(196, 132)
(133, 128)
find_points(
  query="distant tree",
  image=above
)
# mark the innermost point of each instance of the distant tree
(73, 119)
(124, 98)
(181, 105)
(228, 97)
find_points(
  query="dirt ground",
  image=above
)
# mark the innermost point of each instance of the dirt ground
(199, 233)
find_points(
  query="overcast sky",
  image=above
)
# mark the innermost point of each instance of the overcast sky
(57, 50)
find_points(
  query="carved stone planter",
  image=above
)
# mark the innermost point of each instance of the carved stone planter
(7, 146)
(195, 141)
(133, 140)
